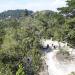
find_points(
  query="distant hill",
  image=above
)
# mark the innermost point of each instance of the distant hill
(15, 13)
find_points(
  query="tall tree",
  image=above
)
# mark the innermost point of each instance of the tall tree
(69, 10)
(69, 25)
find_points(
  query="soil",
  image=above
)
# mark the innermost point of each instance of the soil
(64, 57)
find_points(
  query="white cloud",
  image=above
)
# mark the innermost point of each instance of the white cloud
(35, 5)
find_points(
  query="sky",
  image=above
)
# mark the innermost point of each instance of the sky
(35, 5)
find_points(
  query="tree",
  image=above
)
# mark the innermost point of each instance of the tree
(69, 25)
(69, 10)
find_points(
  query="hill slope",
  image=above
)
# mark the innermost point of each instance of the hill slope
(15, 13)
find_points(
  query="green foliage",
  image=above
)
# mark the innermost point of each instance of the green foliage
(15, 14)
(69, 9)
(69, 25)
(5, 69)
(20, 70)
(72, 73)
(19, 43)
(20, 39)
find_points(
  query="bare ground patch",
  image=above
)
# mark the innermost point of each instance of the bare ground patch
(65, 57)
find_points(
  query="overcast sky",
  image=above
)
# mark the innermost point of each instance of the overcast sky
(35, 5)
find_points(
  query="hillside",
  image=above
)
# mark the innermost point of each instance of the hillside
(15, 13)
(20, 47)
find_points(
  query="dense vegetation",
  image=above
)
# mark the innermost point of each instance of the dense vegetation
(21, 32)
(15, 14)
(69, 26)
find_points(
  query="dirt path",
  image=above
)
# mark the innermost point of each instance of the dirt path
(57, 68)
